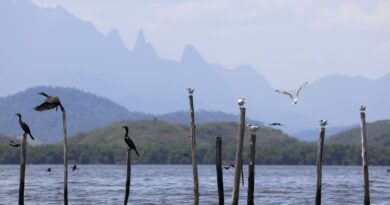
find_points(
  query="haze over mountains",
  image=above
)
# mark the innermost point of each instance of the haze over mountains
(46, 46)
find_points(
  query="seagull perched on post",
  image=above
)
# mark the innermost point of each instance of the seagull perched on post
(252, 128)
(24, 126)
(190, 91)
(50, 103)
(130, 142)
(323, 123)
(362, 108)
(241, 102)
(294, 99)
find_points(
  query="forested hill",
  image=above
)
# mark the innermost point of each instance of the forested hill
(3, 139)
(85, 111)
(378, 134)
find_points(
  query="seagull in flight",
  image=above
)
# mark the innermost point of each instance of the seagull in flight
(294, 99)
(323, 123)
(241, 102)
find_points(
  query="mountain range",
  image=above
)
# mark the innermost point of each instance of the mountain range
(49, 46)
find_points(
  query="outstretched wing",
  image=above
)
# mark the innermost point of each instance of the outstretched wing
(300, 88)
(44, 94)
(285, 93)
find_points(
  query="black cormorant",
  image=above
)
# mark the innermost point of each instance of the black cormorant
(24, 126)
(130, 142)
(74, 167)
(50, 103)
(49, 169)
(13, 143)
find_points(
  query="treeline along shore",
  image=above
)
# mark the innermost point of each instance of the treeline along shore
(167, 143)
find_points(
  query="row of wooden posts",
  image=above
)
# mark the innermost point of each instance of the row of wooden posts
(251, 162)
(238, 162)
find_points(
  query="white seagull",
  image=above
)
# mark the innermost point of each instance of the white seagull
(294, 99)
(252, 128)
(241, 102)
(323, 123)
(362, 108)
(190, 90)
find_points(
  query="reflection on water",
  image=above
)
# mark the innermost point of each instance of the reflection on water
(172, 184)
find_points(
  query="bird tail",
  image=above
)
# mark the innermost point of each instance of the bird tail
(31, 136)
(136, 152)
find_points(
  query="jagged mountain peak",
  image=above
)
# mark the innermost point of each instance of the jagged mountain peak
(191, 55)
(143, 49)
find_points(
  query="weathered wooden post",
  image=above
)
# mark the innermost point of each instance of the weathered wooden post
(52, 102)
(320, 146)
(22, 168)
(240, 142)
(218, 164)
(128, 177)
(65, 157)
(364, 155)
(251, 165)
(193, 146)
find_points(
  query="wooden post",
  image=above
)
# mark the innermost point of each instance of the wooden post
(238, 165)
(320, 147)
(365, 158)
(22, 169)
(65, 157)
(218, 163)
(251, 169)
(193, 150)
(128, 177)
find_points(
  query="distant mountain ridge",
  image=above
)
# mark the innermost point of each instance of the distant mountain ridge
(43, 43)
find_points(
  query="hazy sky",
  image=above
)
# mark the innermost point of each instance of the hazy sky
(287, 41)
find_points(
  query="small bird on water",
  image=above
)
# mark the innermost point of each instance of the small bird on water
(50, 103)
(48, 169)
(323, 123)
(130, 142)
(228, 167)
(13, 143)
(74, 167)
(24, 126)
(294, 99)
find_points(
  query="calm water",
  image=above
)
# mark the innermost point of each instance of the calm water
(172, 184)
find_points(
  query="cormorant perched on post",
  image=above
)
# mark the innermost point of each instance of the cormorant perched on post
(50, 103)
(24, 126)
(130, 142)
(13, 143)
